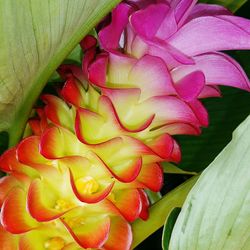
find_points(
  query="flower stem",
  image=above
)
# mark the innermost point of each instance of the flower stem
(160, 211)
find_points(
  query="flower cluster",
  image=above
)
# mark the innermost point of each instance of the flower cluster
(79, 180)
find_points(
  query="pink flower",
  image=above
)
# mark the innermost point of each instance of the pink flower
(184, 38)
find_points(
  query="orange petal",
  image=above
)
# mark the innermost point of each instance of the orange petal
(28, 152)
(6, 184)
(45, 237)
(42, 202)
(59, 142)
(88, 230)
(57, 111)
(162, 145)
(128, 201)
(151, 176)
(14, 216)
(145, 205)
(8, 241)
(72, 92)
(120, 236)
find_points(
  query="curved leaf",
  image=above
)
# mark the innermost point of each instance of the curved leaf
(168, 227)
(35, 38)
(216, 212)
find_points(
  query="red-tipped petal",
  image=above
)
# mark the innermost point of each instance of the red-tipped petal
(176, 153)
(42, 207)
(8, 241)
(92, 197)
(151, 176)
(58, 142)
(120, 236)
(28, 151)
(162, 145)
(14, 215)
(71, 92)
(128, 202)
(88, 231)
(97, 70)
(57, 111)
(200, 112)
(6, 184)
(145, 205)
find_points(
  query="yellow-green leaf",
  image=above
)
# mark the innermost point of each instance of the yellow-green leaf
(35, 38)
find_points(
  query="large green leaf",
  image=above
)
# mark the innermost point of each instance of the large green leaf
(35, 38)
(216, 212)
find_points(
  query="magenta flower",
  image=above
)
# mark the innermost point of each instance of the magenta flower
(175, 45)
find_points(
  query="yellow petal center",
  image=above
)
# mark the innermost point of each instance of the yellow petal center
(55, 243)
(87, 185)
(62, 205)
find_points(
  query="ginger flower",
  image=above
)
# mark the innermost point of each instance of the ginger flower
(79, 180)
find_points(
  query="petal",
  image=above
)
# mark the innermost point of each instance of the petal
(6, 185)
(145, 205)
(210, 91)
(68, 71)
(211, 33)
(202, 9)
(129, 113)
(120, 236)
(110, 36)
(150, 74)
(59, 142)
(182, 9)
(28, 151)
(44, 207)
(38, 125)
(143, 25)
(218, 68)
(14, 216)
(57, 111)
(176, 153)
(128, 201)
(9, 163)
(80, 171)
(151, 176)
(119, 68)
(190, 86)
(177, 111)
(162, 145)
(200, 112)
(88, 231)
(93, 128)
(45, 237)
(72, 93)
(88, 42)
(8, 241)
(97, 70)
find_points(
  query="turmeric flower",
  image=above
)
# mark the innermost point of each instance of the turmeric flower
(79, 180)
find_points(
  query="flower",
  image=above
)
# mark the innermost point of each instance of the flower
(185, 38)
(79, 180)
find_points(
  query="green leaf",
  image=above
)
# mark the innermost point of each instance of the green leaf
(168, 227)
(216, 212)
(160, 210)
(232, 5)
(35, 38)
(169, 168)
